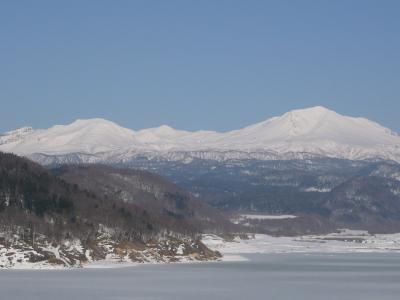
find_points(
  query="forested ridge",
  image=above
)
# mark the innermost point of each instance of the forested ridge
(38, 207)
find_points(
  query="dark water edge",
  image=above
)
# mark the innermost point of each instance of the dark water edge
(266, 276)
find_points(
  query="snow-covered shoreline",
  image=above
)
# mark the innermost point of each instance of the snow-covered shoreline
(105, 253)
(345, 241)
(111, 263)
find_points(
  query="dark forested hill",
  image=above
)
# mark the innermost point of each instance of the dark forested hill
(366, 202)
(32, 196)
(171, 204)
(40, 210)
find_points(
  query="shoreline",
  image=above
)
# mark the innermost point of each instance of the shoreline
(235, 250)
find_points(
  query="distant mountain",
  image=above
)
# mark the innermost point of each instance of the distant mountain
(325, 193)
(304, 133)
(82, 136)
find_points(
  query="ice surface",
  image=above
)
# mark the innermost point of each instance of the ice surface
(367, 276)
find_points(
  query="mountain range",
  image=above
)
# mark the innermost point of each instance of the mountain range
(303, 133)
(331, 171)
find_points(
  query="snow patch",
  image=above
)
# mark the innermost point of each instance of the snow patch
(317, 189)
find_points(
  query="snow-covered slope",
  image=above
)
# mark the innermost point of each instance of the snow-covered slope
(86, 136)
(298, 133)
(319, 131)
(15, 135)
(317, 124)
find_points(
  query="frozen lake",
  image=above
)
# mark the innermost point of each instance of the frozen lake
(264, 276)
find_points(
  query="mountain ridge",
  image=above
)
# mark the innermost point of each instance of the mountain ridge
(315, 131)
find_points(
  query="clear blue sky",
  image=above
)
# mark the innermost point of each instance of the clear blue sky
(196, 64)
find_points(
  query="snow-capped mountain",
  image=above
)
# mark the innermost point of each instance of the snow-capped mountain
(86, 136)
(315, 131)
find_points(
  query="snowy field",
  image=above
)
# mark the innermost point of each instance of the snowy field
(266, 217)
(244, 219)
(345, 241)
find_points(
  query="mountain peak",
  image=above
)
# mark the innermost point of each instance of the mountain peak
(316, 109)
(298, 122)
(160, 134)
(310, 111)
(92, 121)
(165, 129)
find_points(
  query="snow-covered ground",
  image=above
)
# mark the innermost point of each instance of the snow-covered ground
(17, 258)
(345, 241)
(244, 219)
(104, 252)
(267, 217)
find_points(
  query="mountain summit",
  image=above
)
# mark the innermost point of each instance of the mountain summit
(311, 131)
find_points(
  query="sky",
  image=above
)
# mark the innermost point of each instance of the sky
(216, 65)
